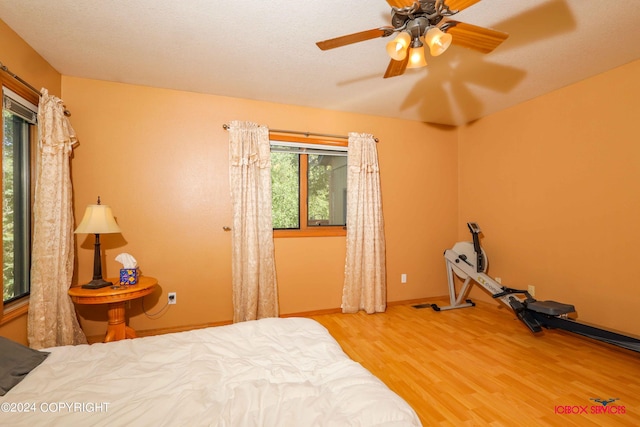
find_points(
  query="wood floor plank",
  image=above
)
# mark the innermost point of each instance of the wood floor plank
(481, 366)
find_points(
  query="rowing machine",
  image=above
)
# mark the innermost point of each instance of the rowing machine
(468, 261)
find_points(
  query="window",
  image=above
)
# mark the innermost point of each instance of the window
(18, 136)
(309, 187)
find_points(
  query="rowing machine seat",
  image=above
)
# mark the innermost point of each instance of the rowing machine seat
(550, 308)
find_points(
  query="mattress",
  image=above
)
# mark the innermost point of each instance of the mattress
(268, 372)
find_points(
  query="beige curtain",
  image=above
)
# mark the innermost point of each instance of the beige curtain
(52, 319)
(365, 271)
(255, 291)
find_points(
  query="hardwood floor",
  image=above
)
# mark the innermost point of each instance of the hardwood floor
(481, 366)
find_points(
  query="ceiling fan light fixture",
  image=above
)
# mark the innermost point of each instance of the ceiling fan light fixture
(397, 48)
(437, 40)
(418, 25)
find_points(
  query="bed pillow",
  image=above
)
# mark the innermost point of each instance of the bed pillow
(16, 361)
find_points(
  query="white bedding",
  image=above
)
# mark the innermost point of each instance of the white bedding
(269, 372)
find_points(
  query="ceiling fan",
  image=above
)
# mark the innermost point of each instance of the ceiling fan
(420, 22)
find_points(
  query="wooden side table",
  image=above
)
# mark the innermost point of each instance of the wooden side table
(115, 298)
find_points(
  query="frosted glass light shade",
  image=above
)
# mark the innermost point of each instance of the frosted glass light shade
(98, 219)
(416, 58)
(437, 41)
(397, 48)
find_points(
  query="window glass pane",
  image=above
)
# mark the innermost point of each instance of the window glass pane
(16, 213)
(285, 190)
(327, 191)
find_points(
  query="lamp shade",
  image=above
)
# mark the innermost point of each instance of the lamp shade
(397, 48)
(437, 41)
(98, 219)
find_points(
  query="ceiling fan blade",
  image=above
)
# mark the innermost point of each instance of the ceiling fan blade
(396, 68)
(470, 36)
(402, 3)
(460, 4)
(355, 38)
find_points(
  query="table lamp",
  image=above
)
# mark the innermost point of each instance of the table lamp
(98, 219)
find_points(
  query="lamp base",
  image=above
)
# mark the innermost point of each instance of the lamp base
(97, 284)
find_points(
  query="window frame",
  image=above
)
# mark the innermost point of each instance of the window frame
(305, 230)
(19, 306)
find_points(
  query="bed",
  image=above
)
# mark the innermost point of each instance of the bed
(268, 372)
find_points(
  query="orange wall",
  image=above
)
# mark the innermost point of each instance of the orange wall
(18, 57)
(553, 183)
(159, 158)
(22, 60)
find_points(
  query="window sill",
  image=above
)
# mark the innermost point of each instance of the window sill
(311, 232)
(14, 310)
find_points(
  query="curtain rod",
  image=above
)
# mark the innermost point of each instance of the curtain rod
(307, 134)
(26, 84)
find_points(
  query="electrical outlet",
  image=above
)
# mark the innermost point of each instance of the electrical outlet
(532, 290)
(403, 278)
(172, 298)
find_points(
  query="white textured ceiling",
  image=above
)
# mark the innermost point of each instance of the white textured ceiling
(265, 50)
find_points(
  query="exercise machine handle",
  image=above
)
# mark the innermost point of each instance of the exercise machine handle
(475, 230)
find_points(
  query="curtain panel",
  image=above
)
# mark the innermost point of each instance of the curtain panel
(365, 267)
(52, 318)
(255, 293)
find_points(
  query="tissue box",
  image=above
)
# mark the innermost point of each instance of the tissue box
(128, 276)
